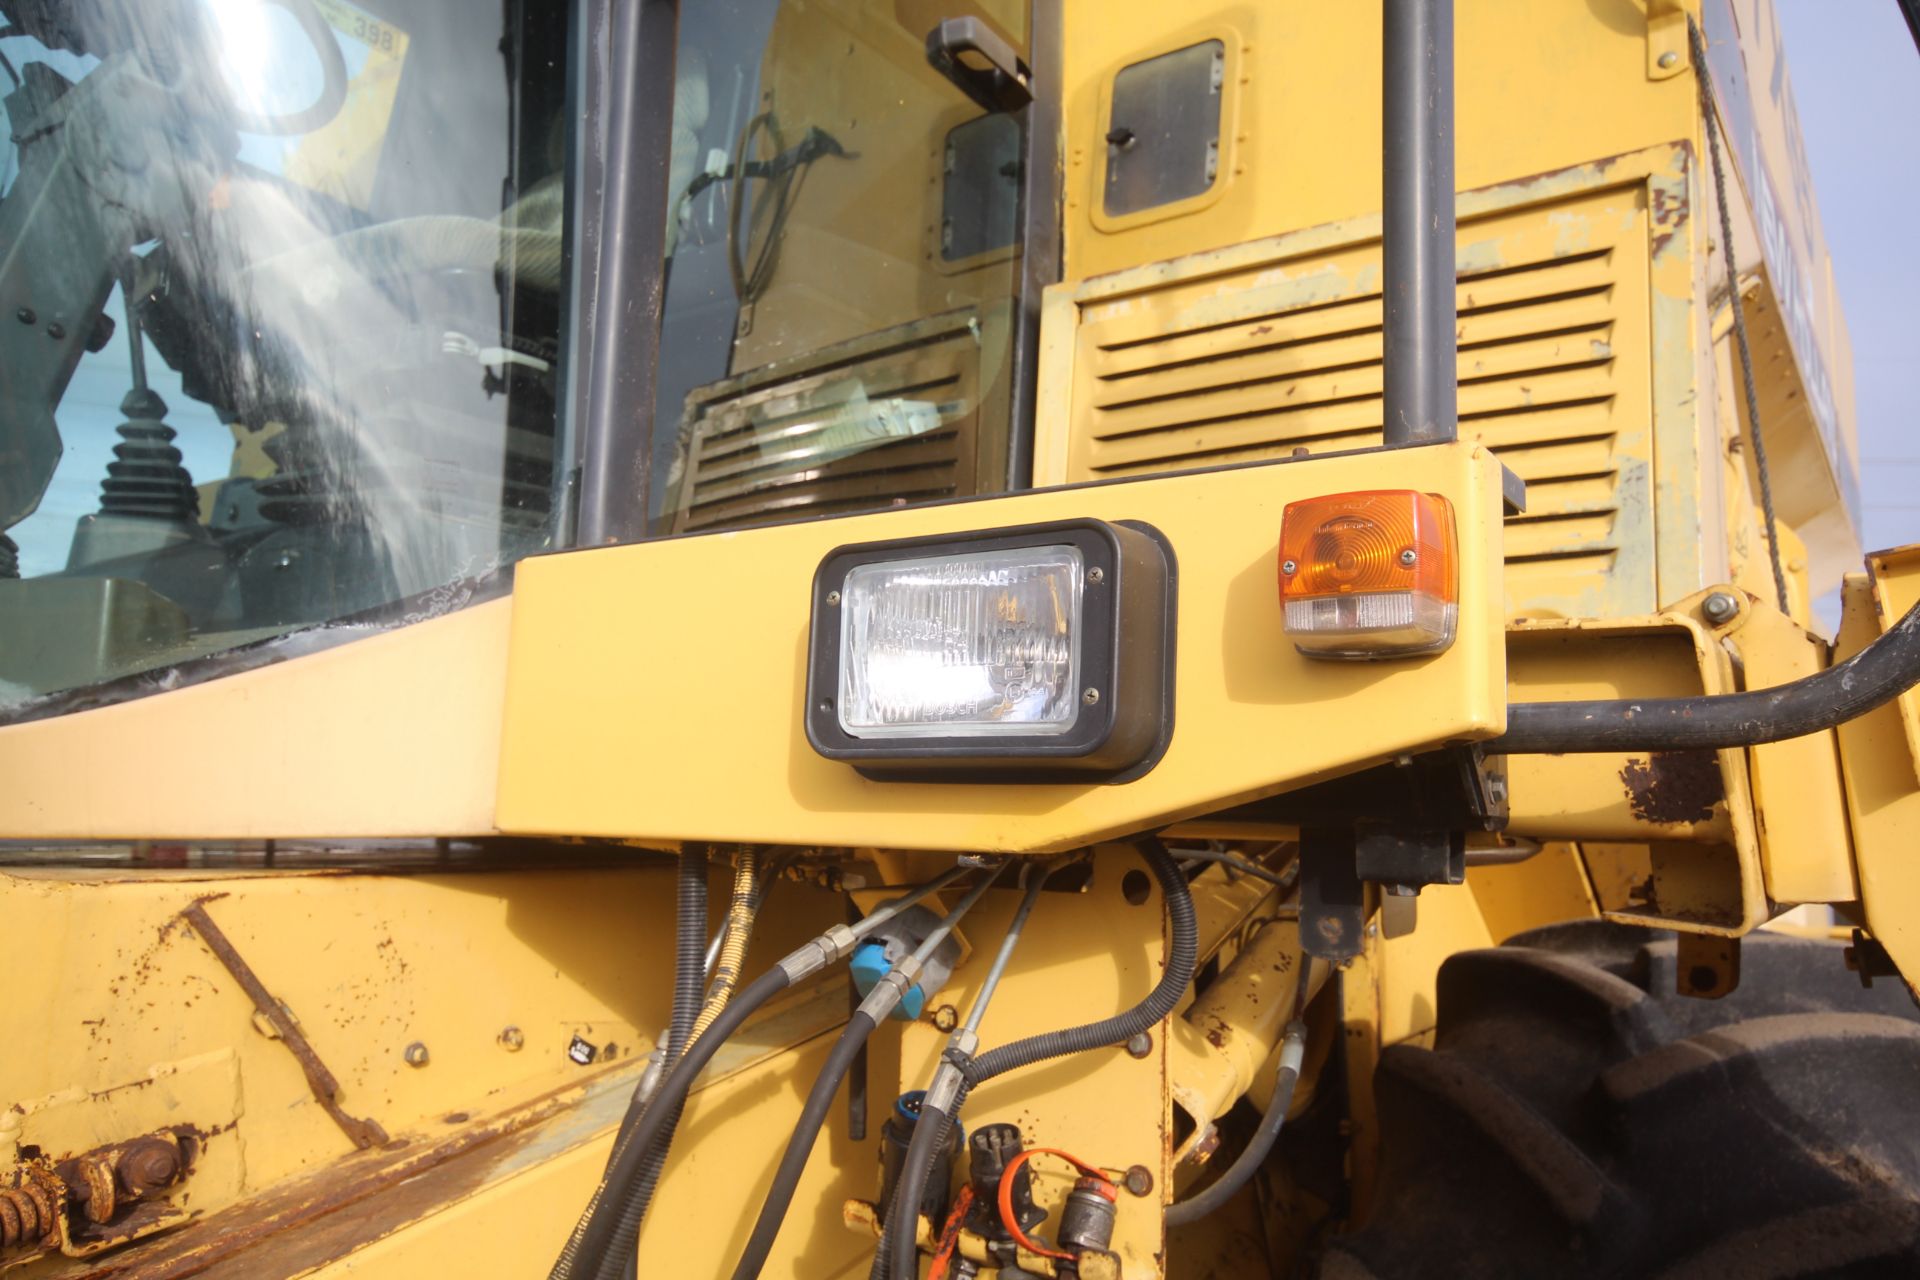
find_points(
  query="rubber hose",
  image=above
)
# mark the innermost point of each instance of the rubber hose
(806, 1132)
(689, 989)
(611, 1226)
(1870, 678)
(1182, 955)
(690, 934)
(742, 909)
(1241, 1170)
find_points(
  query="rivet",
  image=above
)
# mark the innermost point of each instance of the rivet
(416, 1054)
(26, 315)
(513, 1040)
(56, 331)
(1140, 1044)
(1668, 59)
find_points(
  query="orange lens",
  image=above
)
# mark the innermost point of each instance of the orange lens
(1368, 574)
(1383, 540)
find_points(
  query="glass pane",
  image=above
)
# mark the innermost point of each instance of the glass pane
(281, 291)
(843, 266)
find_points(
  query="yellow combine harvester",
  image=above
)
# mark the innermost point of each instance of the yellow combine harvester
(829, 637)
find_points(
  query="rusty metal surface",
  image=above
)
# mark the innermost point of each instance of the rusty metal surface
(326, 1089)
(86, 1203)
(1674, 786)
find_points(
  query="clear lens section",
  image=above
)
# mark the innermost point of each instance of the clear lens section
(964, 645)
(1371, 624)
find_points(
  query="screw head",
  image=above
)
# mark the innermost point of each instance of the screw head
(1140, 1044)
(1096, 575)
(833, 597)
(1668, 59)
(1090, 697)
(1719, 607)
(1408, 557)
(513, 1040)
(1289, 568)
(416, 1054)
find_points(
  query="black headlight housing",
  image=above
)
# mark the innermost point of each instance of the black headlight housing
(1123, 676)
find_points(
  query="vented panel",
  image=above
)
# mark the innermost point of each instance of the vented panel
(1221, 359)
(887, 419)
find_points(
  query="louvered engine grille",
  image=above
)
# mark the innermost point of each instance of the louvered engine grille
(887, 419)
(1282, 353)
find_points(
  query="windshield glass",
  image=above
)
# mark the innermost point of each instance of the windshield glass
(280, 306)
(843, 265)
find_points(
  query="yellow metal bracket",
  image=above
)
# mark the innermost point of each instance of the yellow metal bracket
(1667, 51)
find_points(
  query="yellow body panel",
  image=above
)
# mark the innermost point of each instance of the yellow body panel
(390, 735)
(1879, 762)
(654, 691)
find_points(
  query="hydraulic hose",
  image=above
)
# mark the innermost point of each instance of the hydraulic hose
(610, 1228)
(878, 1004)
(1870, 678)
(1292, 1049)
(690, 940)
(742, 908)
(955, 1079)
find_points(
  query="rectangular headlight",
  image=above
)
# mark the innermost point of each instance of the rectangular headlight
(1021, 653)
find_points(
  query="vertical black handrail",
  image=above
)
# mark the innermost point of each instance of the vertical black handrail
(1040, 230)
(623, 335)
(1422, 394)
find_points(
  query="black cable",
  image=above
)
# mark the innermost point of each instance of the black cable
(806, 1131)
(613, 1225)
(1285, 1079)
(1238, 863)
(689, 995)
(897, 1248)
(609, 1228)
(1698, 44)
(1877, 674)
(689, 963)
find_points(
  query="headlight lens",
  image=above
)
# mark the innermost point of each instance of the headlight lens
(963, 645)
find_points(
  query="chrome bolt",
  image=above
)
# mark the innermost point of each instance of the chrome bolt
(416, 1054)
(513, 1040)
(1096, 574)
(1720, 607)
(1090, 697)
(1668, 59)
(1408, 557)
(1288, 566)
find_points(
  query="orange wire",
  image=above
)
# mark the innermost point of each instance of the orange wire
(950, 1234)
(1012, 1223)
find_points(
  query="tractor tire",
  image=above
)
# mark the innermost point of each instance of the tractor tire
(1578, 1120)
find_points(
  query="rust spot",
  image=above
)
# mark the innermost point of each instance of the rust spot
(1674, 786)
